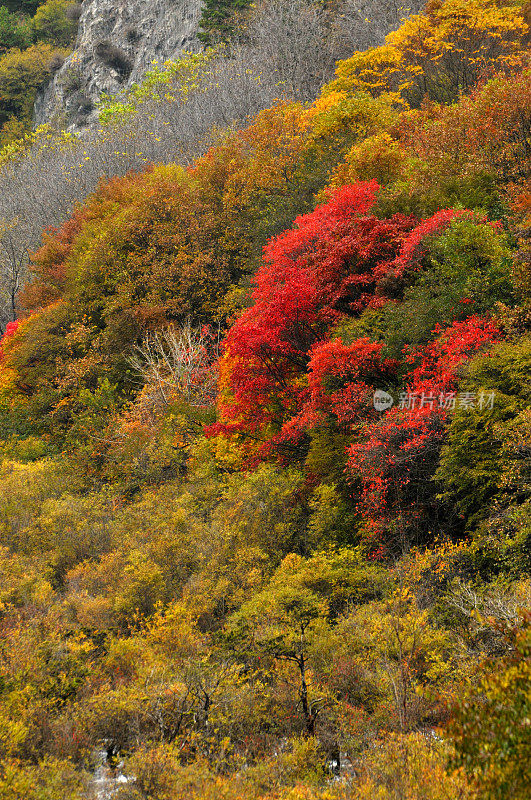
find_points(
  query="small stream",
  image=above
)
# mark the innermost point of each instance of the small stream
(106, 779)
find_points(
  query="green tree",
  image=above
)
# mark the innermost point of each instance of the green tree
(290, 620)
(54, 24)
(22, 6)
(13, 31)
(22, 74)
(472, 466)
(280, 624)
(492, 729)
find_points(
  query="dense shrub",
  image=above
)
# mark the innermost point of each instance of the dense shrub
(113, 56)
(55, 23)
(22, 73)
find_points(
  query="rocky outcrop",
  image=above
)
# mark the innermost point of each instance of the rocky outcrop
(118, 40)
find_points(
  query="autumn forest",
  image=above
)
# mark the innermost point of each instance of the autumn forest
(265, 421)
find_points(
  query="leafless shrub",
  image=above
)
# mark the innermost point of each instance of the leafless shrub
(179, 363)
(361, 24)
(56, 63)
(71, 81)
(289, 45)
(73, 12)
(502, 604)
(113, 56)
(13, 259)
(132, 34)
(488, 611)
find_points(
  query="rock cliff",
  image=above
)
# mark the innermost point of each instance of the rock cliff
(118, 40)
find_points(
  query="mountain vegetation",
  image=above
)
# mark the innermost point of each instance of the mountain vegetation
(34, 41)
(265, 434)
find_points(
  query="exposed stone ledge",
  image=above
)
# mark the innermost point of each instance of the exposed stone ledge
(118, 40)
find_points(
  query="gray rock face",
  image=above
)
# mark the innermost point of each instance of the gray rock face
(118, 40)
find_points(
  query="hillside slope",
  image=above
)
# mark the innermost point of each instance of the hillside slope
(265, 462)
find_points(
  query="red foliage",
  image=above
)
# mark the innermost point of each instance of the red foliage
(438, 363)
(416, 243)
(49, 263)
(282, 375)
(396, 456)
(11, 329)
(341, 381)
(341, 377)
(331, 264)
